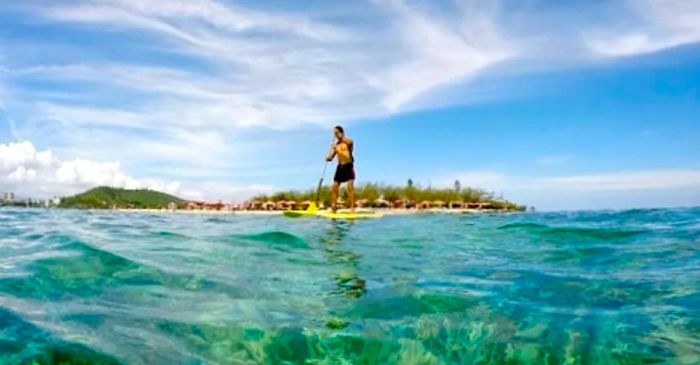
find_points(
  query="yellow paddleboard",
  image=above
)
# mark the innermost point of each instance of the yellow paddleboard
(311, 211)
(300, 213)
(349, 215)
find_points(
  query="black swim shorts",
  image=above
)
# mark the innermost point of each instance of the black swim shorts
(344, 173)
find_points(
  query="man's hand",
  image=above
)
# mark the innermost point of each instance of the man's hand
(329, 158)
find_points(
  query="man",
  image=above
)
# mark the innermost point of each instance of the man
(345, 172)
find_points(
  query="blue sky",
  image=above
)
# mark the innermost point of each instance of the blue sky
(560, 105)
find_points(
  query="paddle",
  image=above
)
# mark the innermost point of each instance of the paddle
(312, 207)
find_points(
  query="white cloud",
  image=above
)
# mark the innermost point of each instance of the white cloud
(622, 181)
(29, 172)
(663, 24)
(22, 174)
(662, 179)
(32, 173)
(305, 71)
(159, 16)
(234, 18)
(82, 116)
(443, 52)
(227, 192)
(621, 189)
(23, 154)
(195, 113)
(91, 173)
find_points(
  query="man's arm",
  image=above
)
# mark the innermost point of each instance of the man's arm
(331, 153)
(349, 146)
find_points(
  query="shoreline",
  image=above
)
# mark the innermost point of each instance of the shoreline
(281, 212)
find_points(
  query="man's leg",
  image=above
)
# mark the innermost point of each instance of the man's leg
(351, 194)
(334, 195)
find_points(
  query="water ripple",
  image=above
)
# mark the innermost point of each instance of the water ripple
(577, 287)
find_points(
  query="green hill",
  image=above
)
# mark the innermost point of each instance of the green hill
(105, 198)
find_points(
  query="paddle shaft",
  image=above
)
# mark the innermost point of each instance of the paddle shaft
(320, 183)
(323, 175)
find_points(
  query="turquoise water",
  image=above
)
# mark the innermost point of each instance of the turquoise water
(555, 288)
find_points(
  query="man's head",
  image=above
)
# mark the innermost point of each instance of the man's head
(338, 131)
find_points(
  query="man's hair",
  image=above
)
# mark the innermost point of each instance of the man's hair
(340, 129)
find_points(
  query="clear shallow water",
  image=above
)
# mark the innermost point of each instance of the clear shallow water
(574, 288)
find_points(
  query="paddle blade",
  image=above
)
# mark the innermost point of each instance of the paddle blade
(312, 207)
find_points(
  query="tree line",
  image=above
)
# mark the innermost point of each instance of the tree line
(373, 192)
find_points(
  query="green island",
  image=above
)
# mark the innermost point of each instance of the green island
(115, 198)
(367, 195)
(378, 195)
